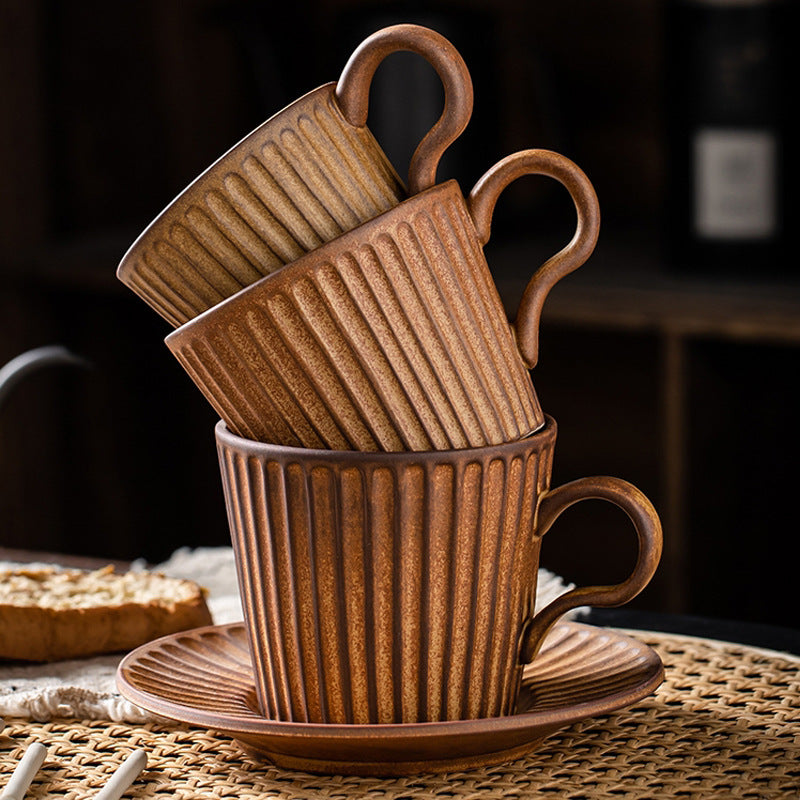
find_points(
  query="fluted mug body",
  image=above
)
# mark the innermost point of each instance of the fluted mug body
(391, 587)
(307, 174)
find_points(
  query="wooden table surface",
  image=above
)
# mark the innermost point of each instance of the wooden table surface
(77, 561)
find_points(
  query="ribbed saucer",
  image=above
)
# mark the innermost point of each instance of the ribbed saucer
(203, 677)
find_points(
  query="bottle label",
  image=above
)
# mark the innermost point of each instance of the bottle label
(735, 179)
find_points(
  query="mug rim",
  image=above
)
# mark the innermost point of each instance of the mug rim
(538, 439)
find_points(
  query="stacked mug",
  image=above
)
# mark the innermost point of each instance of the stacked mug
(385, 461)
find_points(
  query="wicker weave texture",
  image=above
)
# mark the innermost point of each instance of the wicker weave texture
(724, 724)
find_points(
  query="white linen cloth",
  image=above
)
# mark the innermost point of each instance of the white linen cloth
(86, 688)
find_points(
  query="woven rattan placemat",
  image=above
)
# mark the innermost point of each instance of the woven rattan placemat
(724, 724)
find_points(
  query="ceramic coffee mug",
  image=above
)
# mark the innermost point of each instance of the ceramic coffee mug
(399, 587)
(307, 174)
(392, 336)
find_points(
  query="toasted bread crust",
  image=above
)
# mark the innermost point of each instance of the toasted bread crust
(53, 614)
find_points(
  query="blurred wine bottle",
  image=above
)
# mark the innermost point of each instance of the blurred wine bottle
(728, 159)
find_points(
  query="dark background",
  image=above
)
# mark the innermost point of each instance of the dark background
(110, 109)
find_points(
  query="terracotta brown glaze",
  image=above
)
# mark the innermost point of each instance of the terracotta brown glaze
(352, 92)
(303, 177)
(482, 200)
(391, 337)
(204, 678)
(398, 587)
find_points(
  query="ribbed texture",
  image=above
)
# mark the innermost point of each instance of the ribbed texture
(722, 725)
(218, 672)
(302, 178)
(208, 671)
(391, 338)
(386, 589)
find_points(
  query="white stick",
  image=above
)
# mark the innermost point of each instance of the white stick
(23, 775)
(126, 774)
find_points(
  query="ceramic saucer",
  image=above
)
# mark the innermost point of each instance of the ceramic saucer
(203, 677)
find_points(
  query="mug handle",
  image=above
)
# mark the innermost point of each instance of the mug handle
(352, 91)
(481, 203)
(648, 530)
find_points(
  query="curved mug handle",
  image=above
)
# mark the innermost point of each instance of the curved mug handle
(352, 91)
(648, 530)
(481, 203)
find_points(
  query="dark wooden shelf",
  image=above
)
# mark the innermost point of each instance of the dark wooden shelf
(85, 264)
(652, 374)
(715, 362)
(626, 286)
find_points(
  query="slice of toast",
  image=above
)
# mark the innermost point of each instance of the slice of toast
(51, 614)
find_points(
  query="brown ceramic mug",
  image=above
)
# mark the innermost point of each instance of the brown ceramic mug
(399, 587)
(303, 177)
(392, 336)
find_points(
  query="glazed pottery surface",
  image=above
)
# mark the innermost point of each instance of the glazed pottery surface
(398, 587)
(392, 336)
(307, 174)
(204, 678)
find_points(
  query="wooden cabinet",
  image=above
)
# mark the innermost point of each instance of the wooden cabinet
(685, 386)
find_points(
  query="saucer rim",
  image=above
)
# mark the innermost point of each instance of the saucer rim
(551, 717)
